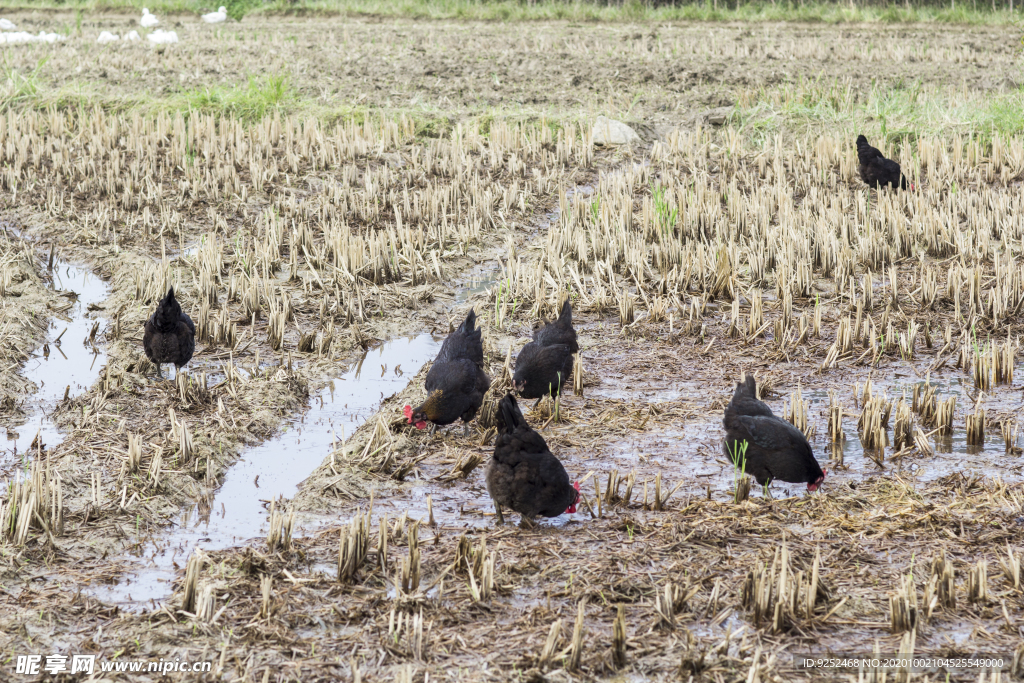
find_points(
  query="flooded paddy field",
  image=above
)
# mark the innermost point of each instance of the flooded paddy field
(270, 510)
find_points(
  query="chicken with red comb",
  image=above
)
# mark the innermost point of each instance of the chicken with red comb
(407, 411)
(572, 508)
(456, 382)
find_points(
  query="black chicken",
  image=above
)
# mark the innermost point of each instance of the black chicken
(456, 383)
(876, 170)
(170, 335)
(523, 474)
(775, 449)
(544, 364)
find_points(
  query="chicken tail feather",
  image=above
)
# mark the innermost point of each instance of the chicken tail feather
(510, 415)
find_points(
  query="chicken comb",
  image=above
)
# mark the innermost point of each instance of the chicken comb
(407, 411)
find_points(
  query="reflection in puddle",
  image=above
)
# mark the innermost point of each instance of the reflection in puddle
(472, 288)
(69, 360)
(238, 511)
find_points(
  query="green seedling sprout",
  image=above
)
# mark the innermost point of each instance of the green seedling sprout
(738, 455)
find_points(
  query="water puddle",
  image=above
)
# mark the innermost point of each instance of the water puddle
(646, 392)
(951, 454)
(690, 456)
(68, 361)
(190, 251)
(238, 510)
(473, 287)
(463, 505)
(692, 453)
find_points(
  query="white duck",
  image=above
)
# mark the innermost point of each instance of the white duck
(216, 17)
(107, 37)
(15, 37)
(148, 20)
(7, 25)
(162, 37)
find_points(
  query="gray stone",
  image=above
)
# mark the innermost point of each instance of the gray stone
(718, 116)
(610, 132)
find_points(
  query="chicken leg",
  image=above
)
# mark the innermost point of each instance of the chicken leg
(527, 523)
(497, 510)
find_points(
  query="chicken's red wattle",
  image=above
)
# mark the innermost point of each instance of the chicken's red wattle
(572, 508)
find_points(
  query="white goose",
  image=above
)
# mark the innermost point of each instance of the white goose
(107, 37)
(7, 25)
(216, 17)
(148, 20)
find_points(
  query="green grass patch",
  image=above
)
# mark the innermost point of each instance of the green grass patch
(250, 101)
(237, 9)
(18, 86)
(900, 112)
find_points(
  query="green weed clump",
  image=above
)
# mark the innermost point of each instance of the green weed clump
(251, 101)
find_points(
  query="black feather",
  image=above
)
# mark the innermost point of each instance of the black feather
(544, 365)
(456, 382)
(876, 170)
(170, 334)
(523, 474)
(775, 449)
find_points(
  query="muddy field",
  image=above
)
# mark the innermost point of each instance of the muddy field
(657, 76)
(330, 196)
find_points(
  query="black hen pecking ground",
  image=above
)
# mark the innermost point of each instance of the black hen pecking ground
(456, 382)
(544, 364)
(774, 448)
(523, 474)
